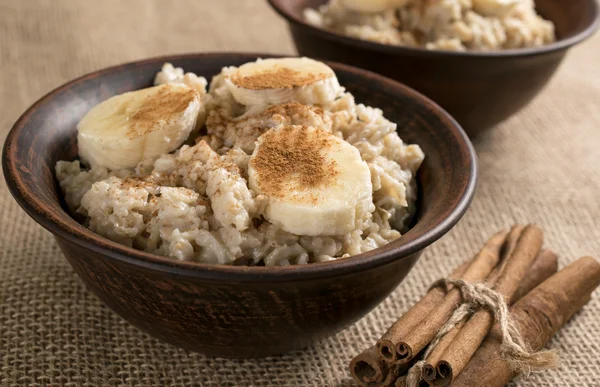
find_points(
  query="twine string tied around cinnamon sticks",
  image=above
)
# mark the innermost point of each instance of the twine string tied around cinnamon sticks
(513, 349)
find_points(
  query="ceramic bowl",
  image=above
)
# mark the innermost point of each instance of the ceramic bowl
(225, 310)
(479, 89)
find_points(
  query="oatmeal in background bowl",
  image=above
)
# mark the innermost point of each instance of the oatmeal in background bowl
(274, 164)
(453, 25)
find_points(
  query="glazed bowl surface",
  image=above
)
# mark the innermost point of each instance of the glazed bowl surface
(236, 311)
(479, 89)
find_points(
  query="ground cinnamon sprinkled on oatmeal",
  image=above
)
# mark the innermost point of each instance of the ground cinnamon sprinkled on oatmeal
(290, 109)
(277, 78)
(134, 182)
(167, 101)
(291, 156)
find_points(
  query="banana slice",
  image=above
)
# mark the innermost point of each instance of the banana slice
(277, 81)
(497, 8)
(316, 183)
(373, 6)
(128, 128)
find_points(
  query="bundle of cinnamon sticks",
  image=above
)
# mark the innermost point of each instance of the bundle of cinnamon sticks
(434, 344)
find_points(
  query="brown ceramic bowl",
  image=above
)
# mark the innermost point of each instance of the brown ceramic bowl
(224, 310)
(479, 89)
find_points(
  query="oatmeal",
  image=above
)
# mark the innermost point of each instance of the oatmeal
(274, 164)
(455, 25)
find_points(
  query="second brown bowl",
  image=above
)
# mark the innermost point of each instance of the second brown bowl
(479, 89)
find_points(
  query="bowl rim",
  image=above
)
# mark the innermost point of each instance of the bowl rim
(62, 225)
(560, 44)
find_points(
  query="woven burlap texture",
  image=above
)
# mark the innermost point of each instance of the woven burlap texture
(543, 166)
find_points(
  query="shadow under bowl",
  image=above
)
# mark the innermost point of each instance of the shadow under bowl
(479, 89)
(223, 310)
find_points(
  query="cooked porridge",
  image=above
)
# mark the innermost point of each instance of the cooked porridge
(455, 25)
(274, 164)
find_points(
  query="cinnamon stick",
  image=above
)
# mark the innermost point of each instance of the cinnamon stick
(408, 344)
(368, 369)
(408, 321)
(474, 331)
(429, 372)
(538, 315)
(544, 266)
(512, 239)
(507, 250)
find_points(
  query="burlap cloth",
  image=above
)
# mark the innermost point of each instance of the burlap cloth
(541, 166)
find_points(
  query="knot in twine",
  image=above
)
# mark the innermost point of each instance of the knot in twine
(513, 349)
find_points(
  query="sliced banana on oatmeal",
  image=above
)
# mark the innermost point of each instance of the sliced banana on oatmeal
(372, 6)
(315, 182)
(494, 7)
(277, 81)
(131, 127)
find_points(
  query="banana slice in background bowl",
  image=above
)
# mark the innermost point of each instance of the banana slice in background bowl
(495, 7)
